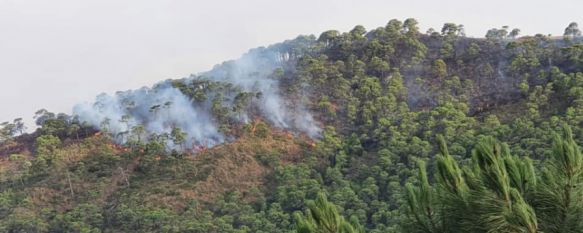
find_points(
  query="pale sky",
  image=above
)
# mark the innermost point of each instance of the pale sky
(56, 53)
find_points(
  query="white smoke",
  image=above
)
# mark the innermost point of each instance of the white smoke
(158, 110)
(252, 72)
(163, 107)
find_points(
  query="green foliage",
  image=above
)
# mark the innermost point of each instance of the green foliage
(11, 129)
(559, 200)
(86, 218)
(323, 217)
(499, 192)
(261, 130)
(439, 68)
(382, 96)
(46, 144)
(178, 136)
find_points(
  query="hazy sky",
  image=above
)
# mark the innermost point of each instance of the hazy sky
(56, 53)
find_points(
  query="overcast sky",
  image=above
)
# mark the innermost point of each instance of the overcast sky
(56, 53)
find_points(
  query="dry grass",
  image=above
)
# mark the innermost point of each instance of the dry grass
(237, 167)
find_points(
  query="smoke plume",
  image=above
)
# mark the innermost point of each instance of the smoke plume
(163, 107)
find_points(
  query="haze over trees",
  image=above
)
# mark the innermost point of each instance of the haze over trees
(372, 130)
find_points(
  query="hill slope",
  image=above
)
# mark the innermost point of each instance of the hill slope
(243, 146)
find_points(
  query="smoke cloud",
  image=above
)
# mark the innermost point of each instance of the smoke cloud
(158, 110)
(252, 72)
(163, 107)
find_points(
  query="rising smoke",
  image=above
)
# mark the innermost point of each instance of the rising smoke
(158, 110)
(252, 73)
(163, 107)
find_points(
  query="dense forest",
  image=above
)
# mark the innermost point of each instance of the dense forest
(383, 130)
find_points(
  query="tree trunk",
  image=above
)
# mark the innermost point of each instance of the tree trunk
(124, 176)
(70, 185)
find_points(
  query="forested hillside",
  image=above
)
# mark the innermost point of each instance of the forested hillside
(382, 130)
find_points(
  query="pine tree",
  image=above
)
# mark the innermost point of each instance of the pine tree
(489, 195)
(559, 199)
(323, 217)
